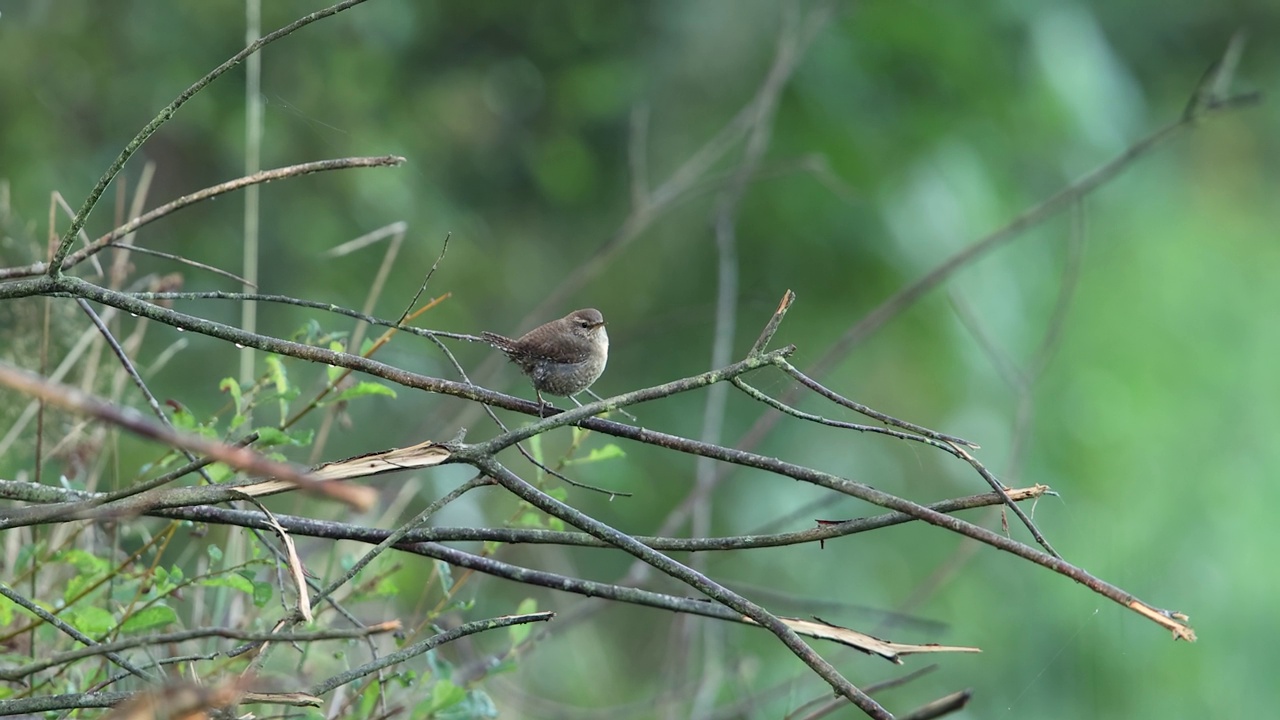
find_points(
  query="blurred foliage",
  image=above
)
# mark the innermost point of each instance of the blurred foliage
(909, 130)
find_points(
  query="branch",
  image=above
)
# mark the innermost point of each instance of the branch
(423, 646)
(904, 298)
(91, 509)
(64, 245)
(240, 458)
(17, 673)
(702, 583)
(80, 637)
(581, 417)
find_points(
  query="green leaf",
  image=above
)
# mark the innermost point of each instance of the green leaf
(215, 553)
(361, 389)
(307, 333)
(504, 665)
(439, 665)
(608, 452)
(519, 633)
(446, 576)
(74, 585)
(535, 449)
(161, 584)
(368, 699)
(231, 580)
(183, 419)
(86, 563)
(269, 436)
(477, 705)
(220, 472)
(151, 618)
(333, 372)
(444, 695)
(386, 587)
(231, 386)
(26, 551)
(279, 377)
(92, 621)
(529, 519)
(262, 593)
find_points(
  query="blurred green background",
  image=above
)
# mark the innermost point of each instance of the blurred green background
(907, 131)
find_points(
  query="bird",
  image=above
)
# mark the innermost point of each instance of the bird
(563, 357)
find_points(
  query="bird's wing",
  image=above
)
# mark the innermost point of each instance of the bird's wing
(576, 351)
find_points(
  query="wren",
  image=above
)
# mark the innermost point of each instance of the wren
(562, 357)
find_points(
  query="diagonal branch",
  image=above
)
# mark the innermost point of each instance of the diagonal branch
(523, 490)
(240, 458)
(68, 237)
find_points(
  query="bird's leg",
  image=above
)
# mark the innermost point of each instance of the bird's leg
(542, 404)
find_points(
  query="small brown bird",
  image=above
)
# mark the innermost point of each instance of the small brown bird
(562, 357)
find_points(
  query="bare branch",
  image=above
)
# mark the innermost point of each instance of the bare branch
(159, 639)
(430, 643)
(133, 225)
(237, 457)
(64, 245)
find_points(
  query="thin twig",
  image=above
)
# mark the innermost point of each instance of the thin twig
(391, 539)
(1083, 186)
(858, 407)
(423, 646)
(312, 304)
(457, 366)
(426, 280)
(184, 261)
(237, 457)
(75, 634)
(702, 583)
(17, 673)
(133, 225)
(333, 530)
(794, 412)
(583, 417)
(941, 707)
(64, 246)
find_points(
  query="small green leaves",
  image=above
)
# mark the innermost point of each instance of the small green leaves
(232, 387)
(91, 620)
(153, 617)
(231, 580)
(520, 633)
(608, 452)
(360, 389)
(274, 437)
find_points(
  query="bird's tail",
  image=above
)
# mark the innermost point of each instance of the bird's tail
(502, 342)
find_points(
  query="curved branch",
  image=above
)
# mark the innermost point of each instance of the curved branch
(68, 237)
